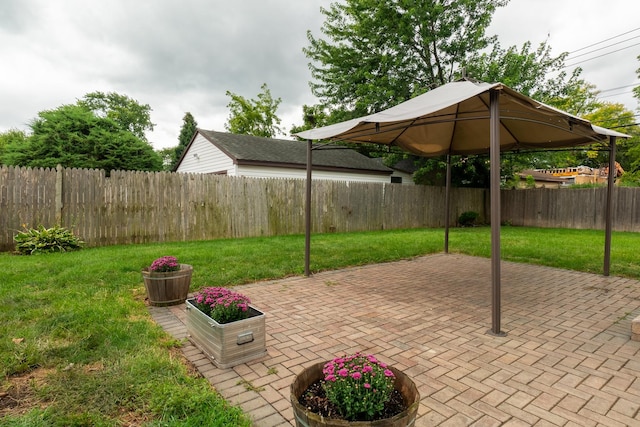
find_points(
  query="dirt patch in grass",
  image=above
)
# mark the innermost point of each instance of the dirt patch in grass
(18, 393)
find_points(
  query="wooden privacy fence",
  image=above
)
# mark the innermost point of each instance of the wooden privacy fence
(134, 207)
(581, 208)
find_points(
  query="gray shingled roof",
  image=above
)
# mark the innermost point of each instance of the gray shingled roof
(248, 149)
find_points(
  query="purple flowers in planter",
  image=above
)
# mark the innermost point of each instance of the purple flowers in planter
(359, 385)
(222, 305)
(165, 264)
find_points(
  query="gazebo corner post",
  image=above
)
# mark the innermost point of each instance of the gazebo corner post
(307, 213)
(447, 205)
(609, 207)
(494, 159)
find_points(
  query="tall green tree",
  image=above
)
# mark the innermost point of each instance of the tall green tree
(535, 73)
(632, 145)
(75, 136)
(13, 138)
(616, 116)
(375, 54)
(254, 116)
(167, 155)
(636, 90)
(313, 116)
(128, 113)
(188, 129)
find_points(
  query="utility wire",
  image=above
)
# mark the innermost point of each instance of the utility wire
(600, 56)
(615, 94)
(571, 58)
(620, 87)
(624, 92)
(605, 40)
(608, 120)
(625, 126)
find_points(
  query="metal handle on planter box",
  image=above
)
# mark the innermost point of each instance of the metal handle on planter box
(245, 338)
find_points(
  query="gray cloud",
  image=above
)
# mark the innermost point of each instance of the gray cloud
(167, 54)
(180, 56)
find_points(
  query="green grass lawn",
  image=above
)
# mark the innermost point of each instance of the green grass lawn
(78, 347)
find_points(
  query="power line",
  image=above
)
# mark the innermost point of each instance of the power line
(613, 119)
(624, 126)
(600, 56)
(615, 94)
(608, 120)
(620, 87)
(605, 40)
(602, 48)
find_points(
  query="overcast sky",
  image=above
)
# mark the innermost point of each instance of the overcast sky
(180, 56)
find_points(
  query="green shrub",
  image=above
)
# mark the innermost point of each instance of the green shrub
(530, 182)
(630, 179)
(468, 218)
(43, 240)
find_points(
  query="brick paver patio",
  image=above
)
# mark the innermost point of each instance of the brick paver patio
(567, 359)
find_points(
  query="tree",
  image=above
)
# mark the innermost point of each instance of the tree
(528, 72)
(636, 90)
(254, 116)
(13, 138)
(167, 156)
(188, 129)
(629, 125)
(615, 116)
(630, 157)
(126, 112)
(378, 54)
(313, 116)
(74, 136)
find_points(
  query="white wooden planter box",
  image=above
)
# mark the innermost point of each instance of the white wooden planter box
(227, 344)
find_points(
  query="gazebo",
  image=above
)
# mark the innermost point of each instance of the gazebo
(463, 118)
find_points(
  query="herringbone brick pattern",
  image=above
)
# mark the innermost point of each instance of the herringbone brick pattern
(567, 359)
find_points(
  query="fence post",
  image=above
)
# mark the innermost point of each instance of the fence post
(59, 195)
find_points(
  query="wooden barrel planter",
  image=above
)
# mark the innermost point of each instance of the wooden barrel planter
(169, 288)
(305, 418)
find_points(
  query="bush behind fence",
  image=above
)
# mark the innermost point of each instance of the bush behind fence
(135, 207)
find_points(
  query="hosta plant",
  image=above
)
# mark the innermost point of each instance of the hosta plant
(43, 240)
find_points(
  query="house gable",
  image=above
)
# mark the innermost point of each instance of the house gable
(203, 157)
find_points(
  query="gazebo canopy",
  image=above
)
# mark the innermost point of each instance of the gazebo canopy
(466, 117)
(454, 119)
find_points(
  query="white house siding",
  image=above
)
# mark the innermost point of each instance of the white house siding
(271, 172)
(204, 157)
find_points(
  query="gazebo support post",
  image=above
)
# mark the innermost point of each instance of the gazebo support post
(307, 214)
(494, 159)
(447, 205)
(609, 208)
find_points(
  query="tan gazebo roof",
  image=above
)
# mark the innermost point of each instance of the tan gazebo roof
(454, 119)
